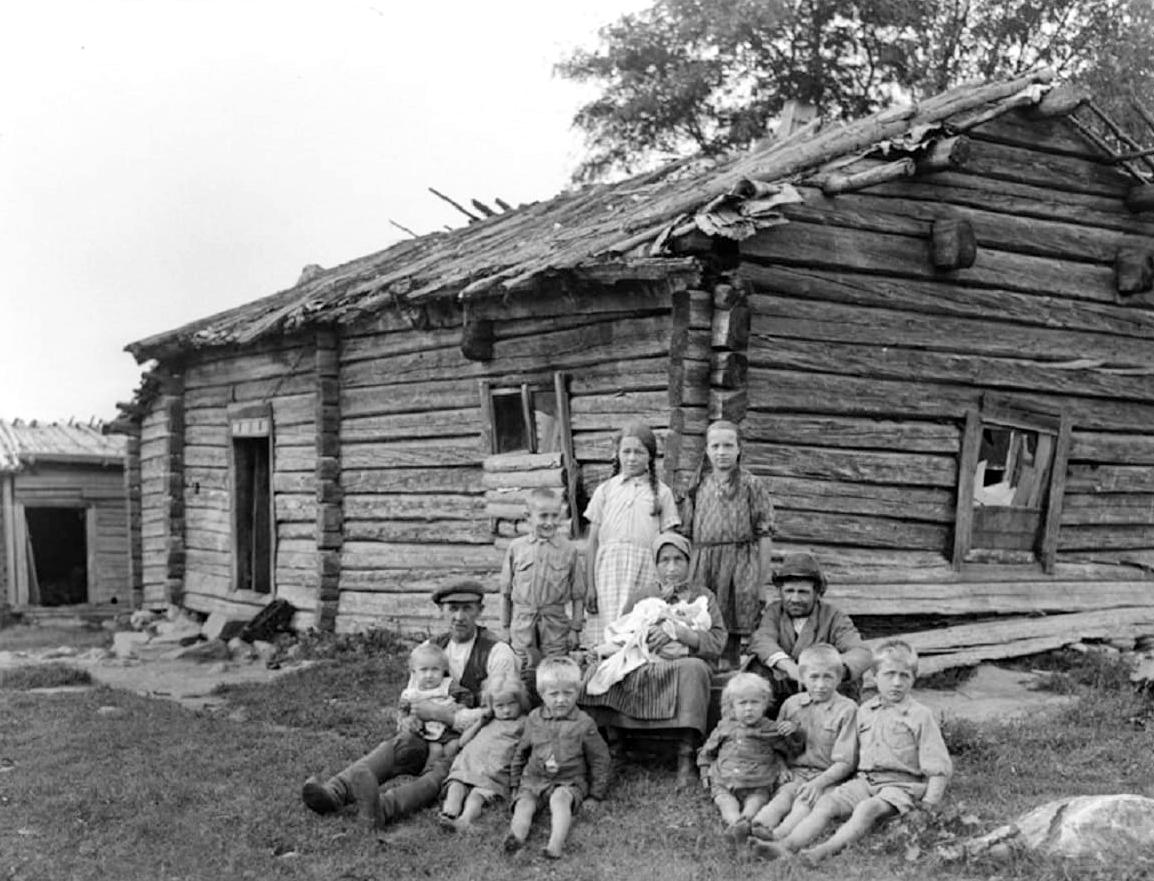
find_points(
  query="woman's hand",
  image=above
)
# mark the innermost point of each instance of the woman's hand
(657, 638)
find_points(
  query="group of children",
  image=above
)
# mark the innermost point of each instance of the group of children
(779, 784)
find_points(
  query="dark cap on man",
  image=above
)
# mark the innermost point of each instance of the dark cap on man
(460, 592)
(800, 566)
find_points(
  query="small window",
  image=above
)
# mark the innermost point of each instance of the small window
(252, 520)
(1010, 484)
(524, 418)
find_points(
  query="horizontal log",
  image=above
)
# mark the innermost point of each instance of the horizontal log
(381, 555)
(812, 245)
(912, 502)
(829, 431)
(855, 466)
(613, 376)
(1110, 478)
(621, 301)
(411, 480)
(294, 458)
(416, 581)
(1021, 165)
(601, 446)
(407, 426)
(1128, 449)
(390, 398)
(217, 369)
(1106, 537)
(863, 531)
(426, 506)
(507, 510)
(800, 391)
(446, 531)
(548, 477)
(300, 507)
(368, 347)
(599, 412)
(516, 462)
(419, 453)
(781, 316)
(1107, 508)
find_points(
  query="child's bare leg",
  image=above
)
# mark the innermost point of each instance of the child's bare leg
(523, 812)
(729, 806)
(473, 806)
(561, 809)
(753, 805)
(797, 813)
(810, 827)
(454, 798)
(864, 816)
(772, 814)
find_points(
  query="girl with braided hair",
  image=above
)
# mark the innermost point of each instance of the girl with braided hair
(625, 515)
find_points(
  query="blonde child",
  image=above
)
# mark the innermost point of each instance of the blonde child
(429, 681)
(902, 763)
(560, 759)
(744, 757)
(541, 577)
(829, 722)
(480, 772)
(728, 515)
(625, 515)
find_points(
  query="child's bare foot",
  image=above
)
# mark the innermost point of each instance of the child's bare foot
(770, 850)
(551, 854)
(758, 830)
(513, 843)
(738, 831)
(811, 856)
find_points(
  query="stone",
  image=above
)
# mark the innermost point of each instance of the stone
(219, 625)
(240, 650)
(1143, 673)
(64, 651)
(178, 632)
(127, 643)
(1144, 643)
(266, 651)
(1105, 827)
(111, 712)
(142, 618)
(206, 652)
(95, 654)
(1123, 644)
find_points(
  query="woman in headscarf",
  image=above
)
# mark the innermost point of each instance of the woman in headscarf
(663, 696)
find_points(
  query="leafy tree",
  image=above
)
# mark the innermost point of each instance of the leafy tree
(706, 76)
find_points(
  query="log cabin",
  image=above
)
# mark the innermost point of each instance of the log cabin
(934, 326)
(64, 531)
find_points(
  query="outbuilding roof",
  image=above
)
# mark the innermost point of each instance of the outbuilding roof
(23, 444)
(605, 233)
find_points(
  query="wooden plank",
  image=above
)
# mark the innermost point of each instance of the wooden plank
(411, 480)
(831, 431)
(1011, 163)
(247, 366)
(933, 504)
(1102, 509)
(418, 581)
(1102, 447)
(403, 454)
(381, 555)
(991, 598)
(515, 462)
(806, 320)
(812, 245)
(601, 446)
(963, 518)
(565, 426)
(855, 466)
(389, 398)
(562, 304)
(552, 477)
(381, 345)
(408, 426)
(1051, 528)
(804, 392)
(415, 531)
(860, 531)
(1049, 135)
(1108, 537)
(1110, 478)
(425, 506)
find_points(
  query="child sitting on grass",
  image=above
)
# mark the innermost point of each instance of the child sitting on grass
(902, 763)
(561, 758)
(744, 757)
(829, 722)
(480, 772)
(429, 680)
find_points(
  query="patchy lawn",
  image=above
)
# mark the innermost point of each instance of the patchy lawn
(25, 637)
(161, 792)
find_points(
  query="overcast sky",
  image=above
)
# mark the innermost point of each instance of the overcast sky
(162, 160)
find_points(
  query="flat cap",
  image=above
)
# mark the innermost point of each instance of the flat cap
(460, 592)
(800, 566)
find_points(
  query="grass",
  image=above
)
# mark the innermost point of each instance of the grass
(159, 792)
(26, 637)
(43, 676)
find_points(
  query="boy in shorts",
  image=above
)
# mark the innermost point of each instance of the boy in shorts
(902, 763)
(828, 721)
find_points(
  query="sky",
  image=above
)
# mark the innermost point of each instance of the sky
(162, 160)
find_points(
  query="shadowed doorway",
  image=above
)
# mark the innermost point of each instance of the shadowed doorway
(59, 550)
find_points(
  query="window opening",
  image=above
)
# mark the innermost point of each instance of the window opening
(525, 419)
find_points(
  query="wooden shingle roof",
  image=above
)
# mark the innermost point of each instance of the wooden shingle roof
(605, 233)
(23, 444)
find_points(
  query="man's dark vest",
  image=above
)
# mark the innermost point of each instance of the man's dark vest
(477, 664)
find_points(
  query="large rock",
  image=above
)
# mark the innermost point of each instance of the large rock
(127, 643)
(1106, 827)
(180, 631)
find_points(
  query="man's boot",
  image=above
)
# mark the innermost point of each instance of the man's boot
(320, 797)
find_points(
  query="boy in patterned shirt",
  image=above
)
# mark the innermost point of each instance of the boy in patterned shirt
(903, 763)
(828, 721)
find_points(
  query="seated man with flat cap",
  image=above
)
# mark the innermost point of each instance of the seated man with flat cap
(474, 655)
(799, 618)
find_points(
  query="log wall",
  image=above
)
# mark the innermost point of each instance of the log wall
(162, 557)
(863, 360)
(283, 375)
(412, 434)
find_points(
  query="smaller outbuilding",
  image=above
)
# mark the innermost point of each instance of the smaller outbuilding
(63, 517)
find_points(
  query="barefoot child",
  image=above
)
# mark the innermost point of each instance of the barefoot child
(728, 515)
(561, 759)
(625, 515)
(480, 772)
(902, 762)
(542, 575)
(829, 722)
(744, 757)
